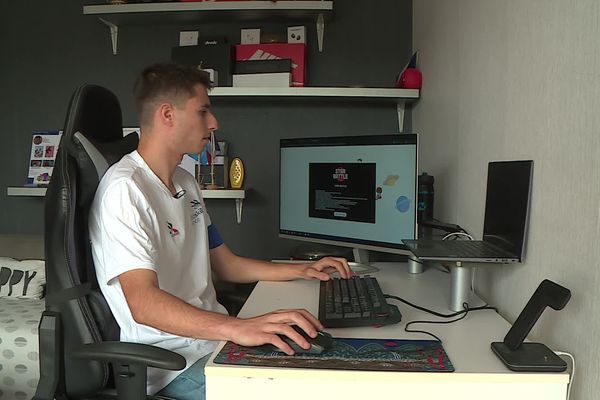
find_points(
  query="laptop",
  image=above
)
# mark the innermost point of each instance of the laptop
(506, 215)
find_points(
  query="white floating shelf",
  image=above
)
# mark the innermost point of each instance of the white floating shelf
(26, 191)
(210, 10)
(114, 15)
(237, 194)
(340, 92)
(224, 193)
(398, 96)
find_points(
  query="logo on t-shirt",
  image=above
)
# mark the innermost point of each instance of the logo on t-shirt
(197, 210)
(172, 230)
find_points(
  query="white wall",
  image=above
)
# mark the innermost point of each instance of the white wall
(520, 79)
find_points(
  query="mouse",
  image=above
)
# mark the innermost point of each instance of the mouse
(318, 344)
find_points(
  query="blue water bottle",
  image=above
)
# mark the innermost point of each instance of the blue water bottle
(425, 197)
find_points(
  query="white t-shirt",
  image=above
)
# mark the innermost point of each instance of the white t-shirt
(135, 222)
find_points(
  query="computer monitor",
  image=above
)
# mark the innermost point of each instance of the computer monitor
(352, 191)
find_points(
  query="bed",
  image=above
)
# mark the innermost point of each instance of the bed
(20, 315)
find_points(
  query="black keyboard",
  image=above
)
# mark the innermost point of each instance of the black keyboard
(357, 301)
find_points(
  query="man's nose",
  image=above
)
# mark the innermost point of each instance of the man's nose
(213, 124)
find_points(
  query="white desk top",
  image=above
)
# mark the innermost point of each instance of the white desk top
(467, 342)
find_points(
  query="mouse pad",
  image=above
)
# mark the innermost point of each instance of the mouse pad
(357, 354)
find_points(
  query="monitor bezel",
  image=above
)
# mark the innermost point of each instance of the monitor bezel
(377, 139)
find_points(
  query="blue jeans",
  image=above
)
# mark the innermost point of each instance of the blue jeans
(189, 385)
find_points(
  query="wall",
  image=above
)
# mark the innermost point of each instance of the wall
(50, 49)
(509, 79)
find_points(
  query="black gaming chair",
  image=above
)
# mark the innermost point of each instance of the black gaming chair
(80, 353)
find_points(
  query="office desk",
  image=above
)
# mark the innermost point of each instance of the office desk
(479, 374)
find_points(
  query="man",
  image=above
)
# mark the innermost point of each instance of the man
(154, 246)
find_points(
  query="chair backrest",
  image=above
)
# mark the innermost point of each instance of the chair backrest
(92, 140)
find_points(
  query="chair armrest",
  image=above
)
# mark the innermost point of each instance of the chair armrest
(126, 352)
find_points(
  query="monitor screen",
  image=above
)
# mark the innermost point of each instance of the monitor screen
(354, 191)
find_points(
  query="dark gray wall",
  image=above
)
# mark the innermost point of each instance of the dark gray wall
(49, 48)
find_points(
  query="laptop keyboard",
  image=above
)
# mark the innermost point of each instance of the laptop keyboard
(468, 248)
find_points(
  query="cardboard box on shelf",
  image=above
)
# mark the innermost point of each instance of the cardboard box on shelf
(272, 79)
(296, 34)
(262, 66)
(210, 53)
(250, 36)
(268, 51)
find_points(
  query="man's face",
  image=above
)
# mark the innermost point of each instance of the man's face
(194, 122)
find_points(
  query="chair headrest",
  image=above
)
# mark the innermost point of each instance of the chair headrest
(94, 158)
(93, 136)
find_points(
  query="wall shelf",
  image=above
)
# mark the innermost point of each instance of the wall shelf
(114, 15)
(340, 92)
(237, 194)
(26, 191)
(399, 96)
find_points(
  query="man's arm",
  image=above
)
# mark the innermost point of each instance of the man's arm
(156, 308)
(233, 268)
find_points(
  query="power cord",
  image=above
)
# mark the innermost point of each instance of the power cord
(564, 353)
(463, 313)
(455, 235)
(438, 314)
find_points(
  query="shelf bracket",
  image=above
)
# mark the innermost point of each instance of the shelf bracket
(320, 31)
(114, 34)
(238, 210)
(400, 109)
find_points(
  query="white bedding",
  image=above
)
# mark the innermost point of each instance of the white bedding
(19, 346)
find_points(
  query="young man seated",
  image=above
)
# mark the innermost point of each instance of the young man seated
(155, 248)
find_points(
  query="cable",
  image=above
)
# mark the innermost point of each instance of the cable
(564, 353)
(444, 226)
(457, 234)
(438, 314)
(464, 312)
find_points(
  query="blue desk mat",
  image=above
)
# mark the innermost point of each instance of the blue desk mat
(355, 354)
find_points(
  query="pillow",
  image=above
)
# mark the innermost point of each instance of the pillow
(22, 279)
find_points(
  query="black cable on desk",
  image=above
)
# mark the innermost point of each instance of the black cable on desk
(465, 312)
(462, 313)
(437, 314)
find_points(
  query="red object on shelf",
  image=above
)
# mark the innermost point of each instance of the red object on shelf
(411, 78)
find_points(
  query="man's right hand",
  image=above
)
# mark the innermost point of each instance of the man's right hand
(264, 329)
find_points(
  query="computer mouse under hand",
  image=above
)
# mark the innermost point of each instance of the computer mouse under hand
(318, 344)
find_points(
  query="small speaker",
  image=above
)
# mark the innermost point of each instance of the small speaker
(296, 34)
(236, 173)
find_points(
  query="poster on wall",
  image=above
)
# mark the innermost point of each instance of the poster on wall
(44, 146)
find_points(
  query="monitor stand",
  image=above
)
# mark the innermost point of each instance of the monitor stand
(312, 253)
(316, 251)
(461, 286)
(361, 265)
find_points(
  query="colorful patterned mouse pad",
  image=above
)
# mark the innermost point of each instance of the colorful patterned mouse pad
(358, 354)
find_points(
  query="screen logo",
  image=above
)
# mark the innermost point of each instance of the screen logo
(340, 174)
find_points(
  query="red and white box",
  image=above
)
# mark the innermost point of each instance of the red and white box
(271, 51)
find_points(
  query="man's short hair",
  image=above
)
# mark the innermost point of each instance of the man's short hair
(165, 82)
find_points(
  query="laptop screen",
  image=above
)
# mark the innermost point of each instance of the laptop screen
(507, 204)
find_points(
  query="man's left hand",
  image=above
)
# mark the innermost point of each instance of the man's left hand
(326, 266)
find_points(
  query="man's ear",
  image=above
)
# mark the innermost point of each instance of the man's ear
(166, 114)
